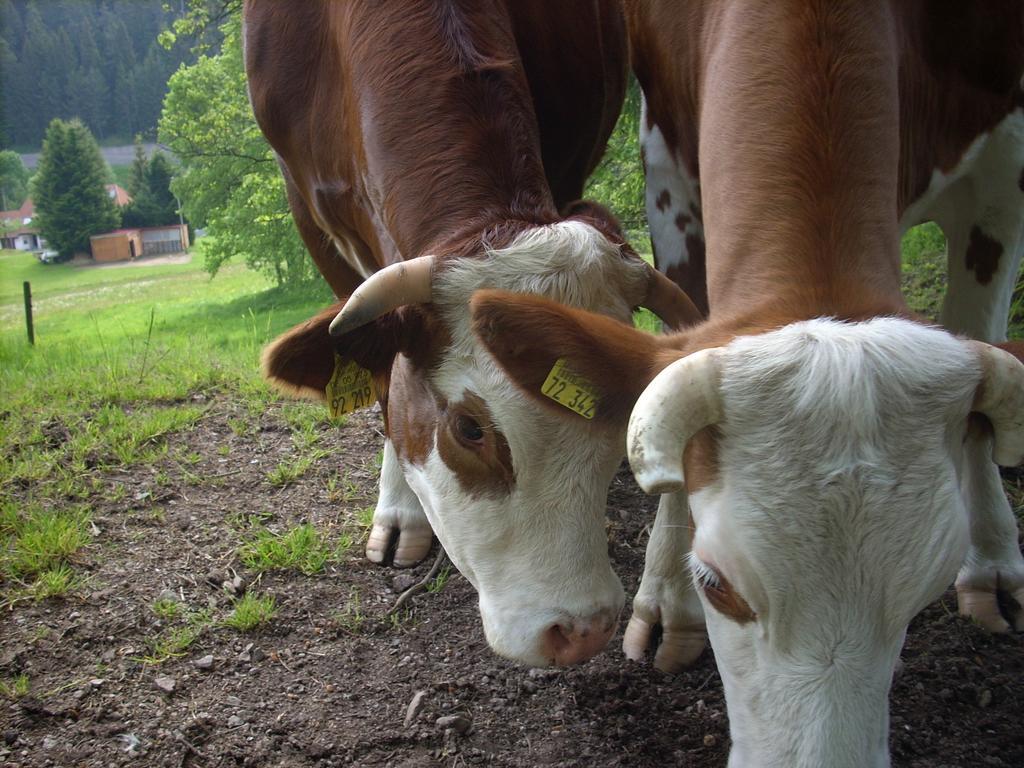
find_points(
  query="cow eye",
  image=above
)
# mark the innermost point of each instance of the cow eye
(468, 429)
(720, 593)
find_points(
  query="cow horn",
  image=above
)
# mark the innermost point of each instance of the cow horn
(407, 282)
(669, 302)
(1000, 396)
(678, 403)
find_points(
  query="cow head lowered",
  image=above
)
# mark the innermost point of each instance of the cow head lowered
(515, 494)
(822, 462)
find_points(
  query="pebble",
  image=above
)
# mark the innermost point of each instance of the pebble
(206, 662)
(49, 742)
(168, 596)
(984, 698)
(402, 582)
(457, 723)
(542, 673)
(166, 684)
(96, 682)
(235, 721)
(710, 740)
(414, 708)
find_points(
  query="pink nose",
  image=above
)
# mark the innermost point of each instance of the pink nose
(574, 640)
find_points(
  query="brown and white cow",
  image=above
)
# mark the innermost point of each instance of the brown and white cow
(428, 146)
(831, 452)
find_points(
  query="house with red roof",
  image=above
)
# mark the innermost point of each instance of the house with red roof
(17, 232)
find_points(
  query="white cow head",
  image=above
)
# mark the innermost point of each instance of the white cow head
(822, 462)
(515, 494)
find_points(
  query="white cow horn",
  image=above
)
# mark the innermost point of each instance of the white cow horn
(1000, 396)
(669, 302)
(677, 404)
(407, 282)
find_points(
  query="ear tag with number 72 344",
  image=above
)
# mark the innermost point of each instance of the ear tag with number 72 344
(349, 389)
(568, 389)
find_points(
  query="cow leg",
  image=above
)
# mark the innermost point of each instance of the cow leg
(984, 259)
(398, 514)
(666, 596)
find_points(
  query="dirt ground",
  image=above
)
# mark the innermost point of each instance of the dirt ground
(142, 261)
(328, 683)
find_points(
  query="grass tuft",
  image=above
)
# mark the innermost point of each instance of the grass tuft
(42, 540)
(301, 548)
(55, 582)
(251, 611)
(16, 688)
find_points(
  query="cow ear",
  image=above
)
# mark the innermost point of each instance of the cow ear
(301, 361)
(527, 335)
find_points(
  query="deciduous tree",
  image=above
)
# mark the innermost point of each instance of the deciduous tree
(229, 180)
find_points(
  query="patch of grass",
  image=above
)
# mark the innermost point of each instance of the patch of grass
(290, 470)
(55, 582)
(302, 416)
(15, 688)
(341, 488)
(350, 618)
(42, 540)
(364, 518)
(301, 548)
(240, 427)
(251, 611)
(174, 641)
(438, 582)
(166, 608)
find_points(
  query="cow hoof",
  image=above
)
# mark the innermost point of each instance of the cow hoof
(982, 605)
(406, 546)
(678, 649)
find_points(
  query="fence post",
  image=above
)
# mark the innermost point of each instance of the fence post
(28, 313)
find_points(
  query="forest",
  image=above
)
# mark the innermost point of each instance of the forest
(98, 60)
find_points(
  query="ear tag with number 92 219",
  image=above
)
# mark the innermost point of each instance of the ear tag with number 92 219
(574, 392)
(349, 389)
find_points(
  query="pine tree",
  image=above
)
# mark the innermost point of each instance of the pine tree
(69, 189)
(154, 204)
(137, 181)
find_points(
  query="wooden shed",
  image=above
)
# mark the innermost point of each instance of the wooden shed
(120, 245)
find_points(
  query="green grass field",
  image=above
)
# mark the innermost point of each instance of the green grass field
(119, 353)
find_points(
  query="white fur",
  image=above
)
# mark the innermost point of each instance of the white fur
(837, 516)
(538, 556)
(664, 172)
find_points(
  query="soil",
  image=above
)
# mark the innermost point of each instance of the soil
(323, 685)
(141, 261)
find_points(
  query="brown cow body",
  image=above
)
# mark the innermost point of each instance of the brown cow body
(832, 483)
(404, 128)
(428, 146)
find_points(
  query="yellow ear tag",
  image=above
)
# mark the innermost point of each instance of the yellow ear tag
(574, 392)
(349, 389)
